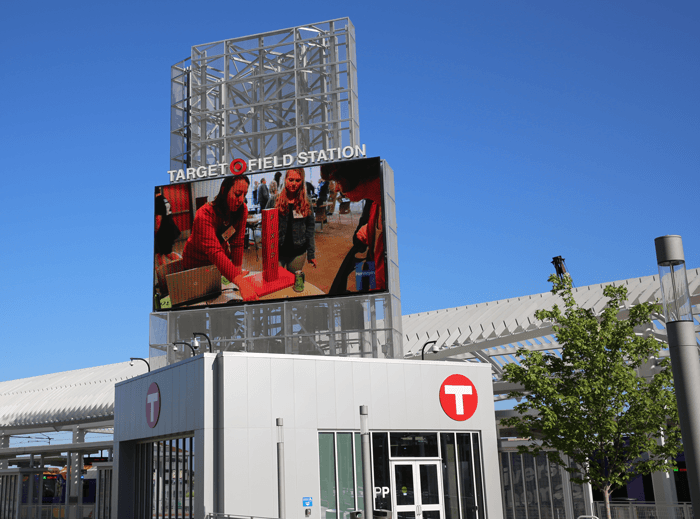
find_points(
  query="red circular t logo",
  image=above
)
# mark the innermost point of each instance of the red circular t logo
(153, 405)
(458, 397)
(238, 166)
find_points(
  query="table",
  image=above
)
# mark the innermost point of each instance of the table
(230, 293)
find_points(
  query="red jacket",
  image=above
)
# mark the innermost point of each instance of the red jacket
(206, 246)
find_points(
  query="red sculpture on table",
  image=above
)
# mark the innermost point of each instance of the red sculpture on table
(273, 277)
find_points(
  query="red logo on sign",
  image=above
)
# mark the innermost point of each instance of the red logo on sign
(238, 166)
(458, 397)
(153, 405)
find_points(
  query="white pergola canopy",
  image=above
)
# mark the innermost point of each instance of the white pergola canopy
(493, 332)
(485, 332)
(59, 401)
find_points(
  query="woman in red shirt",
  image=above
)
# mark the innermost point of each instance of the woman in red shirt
(218, 234)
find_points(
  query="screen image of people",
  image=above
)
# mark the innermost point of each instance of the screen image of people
(298, 232)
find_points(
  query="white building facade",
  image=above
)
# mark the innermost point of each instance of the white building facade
(209, 437)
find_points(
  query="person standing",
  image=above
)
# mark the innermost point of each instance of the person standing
(297, 226)
(273, 195)
(278, 180)
(166, 231)
(263, 194)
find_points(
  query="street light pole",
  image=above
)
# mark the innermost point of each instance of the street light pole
(683, 350)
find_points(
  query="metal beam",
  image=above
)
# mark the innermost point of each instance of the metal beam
(56, 449)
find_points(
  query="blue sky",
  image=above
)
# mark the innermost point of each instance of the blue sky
(517, 131)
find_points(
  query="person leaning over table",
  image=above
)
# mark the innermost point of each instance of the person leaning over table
(218, 234)
(297, 225)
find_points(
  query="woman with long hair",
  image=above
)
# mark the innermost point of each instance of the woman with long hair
(273, 195)
(218, 234)
(297, 226)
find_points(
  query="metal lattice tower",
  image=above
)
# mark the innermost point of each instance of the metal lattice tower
(265, 95)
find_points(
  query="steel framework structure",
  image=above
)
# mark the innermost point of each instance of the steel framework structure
(365, 326)
(269, 95)
(265, 95)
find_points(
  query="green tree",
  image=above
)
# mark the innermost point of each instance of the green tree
(591, 404)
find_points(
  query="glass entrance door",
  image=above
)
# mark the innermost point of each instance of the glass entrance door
(416, 489)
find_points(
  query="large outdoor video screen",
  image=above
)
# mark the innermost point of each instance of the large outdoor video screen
(305, 232)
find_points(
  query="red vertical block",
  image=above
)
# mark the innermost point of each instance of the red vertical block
(273, 277)
(270, 244)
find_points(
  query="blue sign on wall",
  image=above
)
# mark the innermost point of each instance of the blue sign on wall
(307, 501)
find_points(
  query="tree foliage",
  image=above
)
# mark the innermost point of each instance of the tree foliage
(591, 403)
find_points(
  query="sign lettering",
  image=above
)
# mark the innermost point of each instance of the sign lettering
(240, 166)
(383, 491)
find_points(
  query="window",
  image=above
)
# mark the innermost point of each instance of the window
(469, 463)
(458, 453)
(165, 479)
(535, 488)
(414, 445)
(8, 495)
(340, 467)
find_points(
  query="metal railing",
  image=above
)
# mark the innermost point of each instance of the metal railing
(638, 510)
(56, 511)
(231, 516)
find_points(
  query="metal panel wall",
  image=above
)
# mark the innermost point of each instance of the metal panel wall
(238, 396)
(186, 406)
(322, 393)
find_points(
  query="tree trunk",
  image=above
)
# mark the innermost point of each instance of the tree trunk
(606, 495)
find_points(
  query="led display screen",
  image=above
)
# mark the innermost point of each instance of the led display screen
(304, 232)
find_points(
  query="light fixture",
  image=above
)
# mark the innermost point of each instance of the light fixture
(559, 266)
(673, 279)
(186, 344)
(683, 350)
(196, 340)
(422, 353)
(139, 358)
